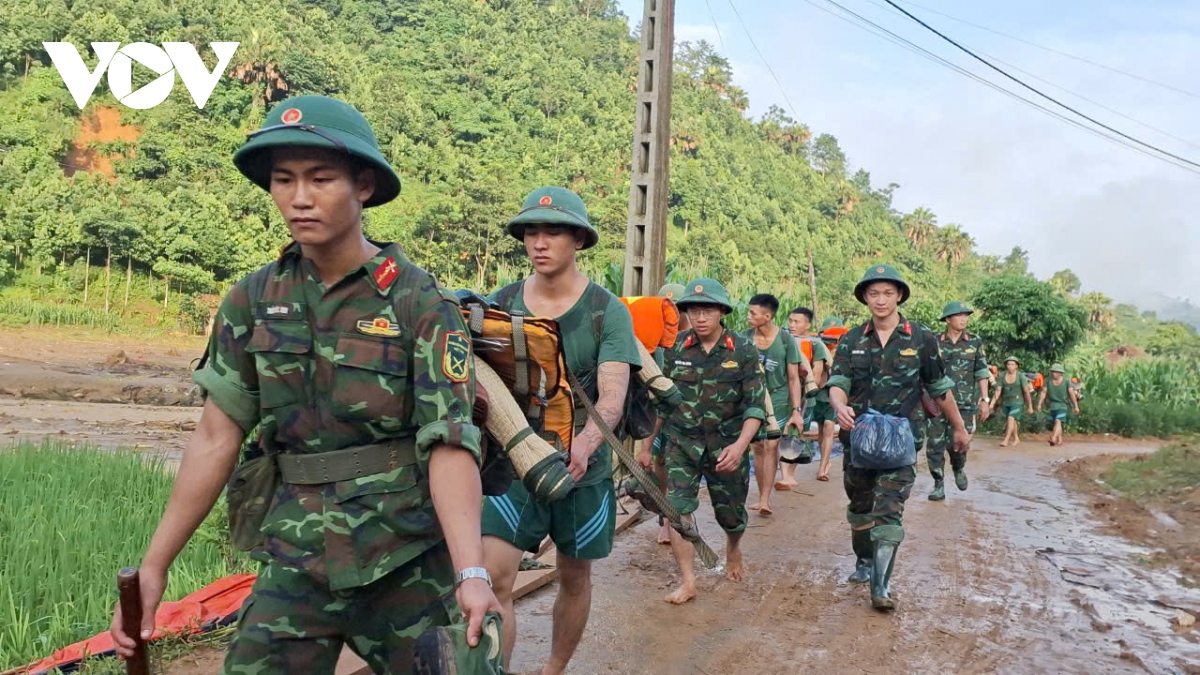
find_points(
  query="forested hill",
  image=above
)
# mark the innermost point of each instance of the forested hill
(475, 102)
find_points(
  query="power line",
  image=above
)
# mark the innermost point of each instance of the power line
(764, 60)
(1053, 100)
(714, 20)
(1073, 93)
(1081, 59)
(880, 31)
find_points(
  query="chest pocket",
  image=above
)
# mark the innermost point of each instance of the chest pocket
(282, 352)
(371, 382)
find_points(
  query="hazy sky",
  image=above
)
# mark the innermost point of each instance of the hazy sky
(1128, 225)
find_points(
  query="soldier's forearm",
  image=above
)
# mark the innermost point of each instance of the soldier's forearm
(457, 498)
(613, 381)
(750, 428)
(208, 461)
(983, 389)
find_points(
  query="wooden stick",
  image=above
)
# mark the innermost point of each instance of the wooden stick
(130, 589)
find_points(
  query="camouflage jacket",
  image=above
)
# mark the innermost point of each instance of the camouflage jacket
(382, 354)
(887, 377)
(720, 389)
(966, 365)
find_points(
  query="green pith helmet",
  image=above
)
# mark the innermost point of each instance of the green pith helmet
(831, 322)
(955, 308)
(1057, 368)
(705, 292)
(1013, 359)
(554, 206)
(671, 291)
(317, 122)
(881, 273)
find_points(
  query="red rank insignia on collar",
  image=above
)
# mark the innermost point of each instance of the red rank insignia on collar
(386, 273)
(728, 341)
(691, 339)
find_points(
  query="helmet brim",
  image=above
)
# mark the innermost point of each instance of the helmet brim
(550, 215)
(254, 158)
(861, 289)
(703, 299)
(968, 312)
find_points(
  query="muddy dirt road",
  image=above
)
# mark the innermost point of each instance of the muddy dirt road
(975, 595)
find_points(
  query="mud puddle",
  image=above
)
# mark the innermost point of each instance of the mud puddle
(975, 594)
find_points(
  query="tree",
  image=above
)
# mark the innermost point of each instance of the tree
(1175, 339)
(828, 157)
(1099, 309)
(920, 226)
(951, 245)
(1017, 261)
(260, 68)
(1065, 283)
(1023, 316)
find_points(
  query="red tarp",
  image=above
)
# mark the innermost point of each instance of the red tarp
(212, 606)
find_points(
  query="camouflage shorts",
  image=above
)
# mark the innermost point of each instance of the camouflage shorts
(877, 497)
(292, 624)
(689, 460)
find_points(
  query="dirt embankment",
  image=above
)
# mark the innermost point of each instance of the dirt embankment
(1167, 522)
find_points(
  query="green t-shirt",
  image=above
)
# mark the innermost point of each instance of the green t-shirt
(584, 353)
(775, 360)
(1056, 396)
(1011, 392)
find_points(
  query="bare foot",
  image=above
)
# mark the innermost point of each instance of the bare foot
(823, 477)
(1016, 443)
(765, 510)
(1004, 444)
(681, 595)
(664, 535)
(752, 508)
(733, 566)
(784, 486)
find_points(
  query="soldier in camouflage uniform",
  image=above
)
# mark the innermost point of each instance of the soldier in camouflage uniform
(883, 365)
(717, 372)
(966, 364)
(355, 369)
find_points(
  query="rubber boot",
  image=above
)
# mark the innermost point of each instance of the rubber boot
(881, 576)
(960, 478)
(861, 539)
(939, 491)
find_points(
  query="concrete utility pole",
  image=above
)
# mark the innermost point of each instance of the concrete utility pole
(646, 236)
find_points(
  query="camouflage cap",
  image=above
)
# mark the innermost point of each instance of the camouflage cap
(955, 308)
(705, 292)
(444, 650)
(554, 206)
(317, 122)
(672, 291)
(882, 273)
(1057, 368)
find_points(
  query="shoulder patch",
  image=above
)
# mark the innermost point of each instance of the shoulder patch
(386, 273)
(456, 360)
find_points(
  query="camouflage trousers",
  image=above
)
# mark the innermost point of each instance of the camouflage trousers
(876, 496)
(941, 441)
(689, 460)
(291, 623)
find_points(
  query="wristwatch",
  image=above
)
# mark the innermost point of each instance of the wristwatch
(799, 409)
(472, 573)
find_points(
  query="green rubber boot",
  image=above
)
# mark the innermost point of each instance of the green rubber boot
(863, 553)
(960, 478)
(939, 491)
(881, 576)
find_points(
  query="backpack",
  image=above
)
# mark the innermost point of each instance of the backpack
(640, 415)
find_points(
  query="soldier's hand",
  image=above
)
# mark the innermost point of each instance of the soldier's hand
(845, 417)
(153, 584)
(645, 457)
(962, 441)
(796, 420)
(579, 460)
(476, 599)
(730, 458)
(985, 410)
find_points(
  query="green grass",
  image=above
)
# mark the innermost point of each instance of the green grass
(37, 314)
(1163, 474)
(69, 519)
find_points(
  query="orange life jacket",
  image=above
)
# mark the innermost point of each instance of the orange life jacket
(655, 321)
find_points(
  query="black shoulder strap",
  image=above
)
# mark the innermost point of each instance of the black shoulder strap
(598, 307)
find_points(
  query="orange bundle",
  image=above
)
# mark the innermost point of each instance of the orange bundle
(526, 352)
(655, 321)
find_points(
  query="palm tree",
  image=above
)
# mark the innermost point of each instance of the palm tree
(1099, 308)
(260, 68)
(952, 245)
(920, 226)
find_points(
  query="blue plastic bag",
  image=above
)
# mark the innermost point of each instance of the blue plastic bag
(882, 442)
